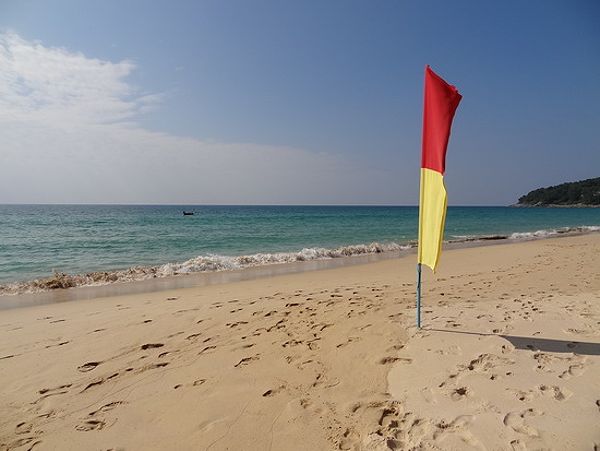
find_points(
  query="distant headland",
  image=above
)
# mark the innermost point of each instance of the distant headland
(584, 193)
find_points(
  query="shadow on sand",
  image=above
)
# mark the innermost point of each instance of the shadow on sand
(538, 344)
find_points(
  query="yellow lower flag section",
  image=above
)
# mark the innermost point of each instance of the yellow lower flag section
(432, 216)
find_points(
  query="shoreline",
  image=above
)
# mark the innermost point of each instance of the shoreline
(185, 281)
(206, 278)
(326, 359)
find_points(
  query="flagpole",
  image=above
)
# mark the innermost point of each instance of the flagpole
(418, 295)
(439, 105)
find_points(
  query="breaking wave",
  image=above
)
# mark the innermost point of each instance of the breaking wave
(553, 232)
(202, 263)
(526, 235)
(215, 262)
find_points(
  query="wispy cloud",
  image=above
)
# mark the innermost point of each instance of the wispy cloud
(69, 134)
(54, 85)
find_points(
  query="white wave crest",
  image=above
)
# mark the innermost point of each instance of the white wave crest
(553, 232)
(202, 263)
(215, 262)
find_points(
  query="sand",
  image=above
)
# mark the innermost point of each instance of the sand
(508, 358)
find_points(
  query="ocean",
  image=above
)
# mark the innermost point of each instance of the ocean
(99, 244)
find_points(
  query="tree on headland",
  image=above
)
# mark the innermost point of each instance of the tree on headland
(582, 193)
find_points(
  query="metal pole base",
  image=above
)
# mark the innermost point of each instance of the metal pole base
(418, 295)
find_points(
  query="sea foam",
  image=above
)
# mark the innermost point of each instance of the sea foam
(215, 262)
(553, 232)
(202, 263)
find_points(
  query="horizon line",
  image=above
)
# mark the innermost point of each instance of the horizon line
(233, 205)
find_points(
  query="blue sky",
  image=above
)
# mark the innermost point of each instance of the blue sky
(292, 102)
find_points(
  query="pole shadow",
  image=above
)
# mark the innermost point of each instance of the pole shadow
(537, 344)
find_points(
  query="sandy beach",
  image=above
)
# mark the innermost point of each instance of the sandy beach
(508, 359)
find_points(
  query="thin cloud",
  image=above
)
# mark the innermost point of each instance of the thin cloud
(69, 134)
(52, 85)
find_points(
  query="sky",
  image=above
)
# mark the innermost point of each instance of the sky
(311, 102)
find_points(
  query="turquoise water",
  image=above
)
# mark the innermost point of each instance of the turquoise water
(36, 240)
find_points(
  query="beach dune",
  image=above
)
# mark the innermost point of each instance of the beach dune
(508, 358)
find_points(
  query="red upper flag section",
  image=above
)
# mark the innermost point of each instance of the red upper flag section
(441, 101)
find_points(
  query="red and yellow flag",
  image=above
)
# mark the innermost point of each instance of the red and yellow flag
(441, 101)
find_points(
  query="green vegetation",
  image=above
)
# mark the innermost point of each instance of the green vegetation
(582, 193)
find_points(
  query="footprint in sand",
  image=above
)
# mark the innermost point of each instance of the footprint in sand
(575, 331)
(347, 342)
(273, 391)
(518, 445)
(293, 342)
(302, 364)
(150, 366)
(91, 425)
(395, 428)
(23, 428)
(559, 394)
(395, 317)
(206, 349)
(460, 393)
(322, 326)
(451, 350)
(395, 347)
(350, 440)
(305, 403)
(151, 346)
(50, 414)
(573, 371)
(99, 381)
(47, 392)
(62, 343)
(389, 360)
(458, 426)
(246, 361)
(546, 362)
(322, 381)
(22, 442)
(485, 362)
(186, 310)
(89, 366)
(516, 421)
(236, 324)
(106, 407)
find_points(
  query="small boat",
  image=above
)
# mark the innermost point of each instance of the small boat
(188, 213)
